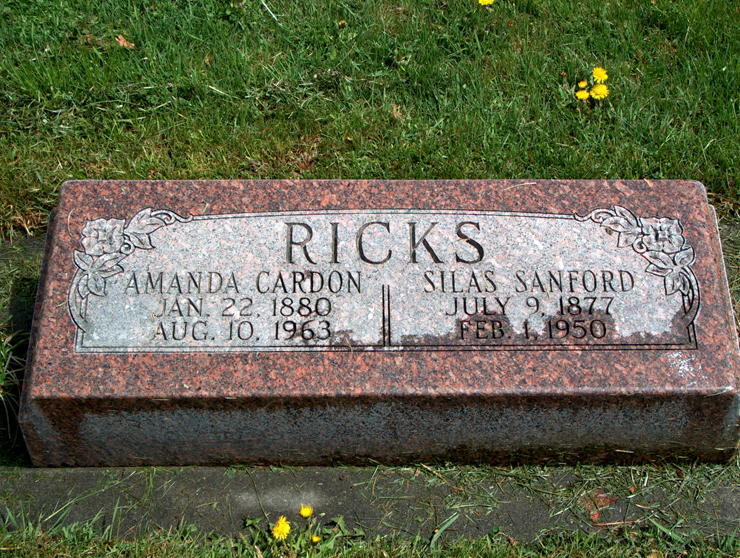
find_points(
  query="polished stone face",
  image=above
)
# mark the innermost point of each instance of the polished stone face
(305, 322)
(370, 280)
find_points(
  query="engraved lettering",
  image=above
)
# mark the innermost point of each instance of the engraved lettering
(561, 283)
(160, 331)
(414, 244)
(589, 281)
(180, 307)
(175, 309)
(626, 280)
(298, 279)
(430, 280)
(497, 329)
(483, 329)
(468, 240)
(279, 282)
(334, 243)
(474, 306)
(353, 280)
(179, 333)
(266, 274)
(231, 284)
(522, 286)
(361, 247)
(153, 285)
(214, 281)
(490, 285)
(503, 304)
(480, 330)
(315, 281)
(291, 241)
(132, 284)
(199, 331)
(474, 282)
(457, 281)
(175, 285)
(608, 277)
(309, 282)
(575, 281)
(557, 282)
(464, 328)
(572, 277)
(335, 282)
(196, 307)
(193, 283)
(454, 287)
(537, 283)
(161, 310)
(485, 307)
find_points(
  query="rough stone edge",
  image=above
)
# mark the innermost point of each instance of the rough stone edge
(26, 412)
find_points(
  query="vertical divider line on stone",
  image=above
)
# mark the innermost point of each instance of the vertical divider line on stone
(386, 314)
(388, 311)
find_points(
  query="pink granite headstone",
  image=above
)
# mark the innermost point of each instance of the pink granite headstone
(213, 322)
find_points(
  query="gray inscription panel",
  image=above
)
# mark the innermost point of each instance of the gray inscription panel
(383, 280)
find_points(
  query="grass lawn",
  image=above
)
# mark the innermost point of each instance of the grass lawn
(81, 541)
(402, 89)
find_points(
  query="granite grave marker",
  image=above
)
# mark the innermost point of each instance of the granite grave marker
(308, 322)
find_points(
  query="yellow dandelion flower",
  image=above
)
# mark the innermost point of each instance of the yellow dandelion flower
(599, 91)
(341, 23)
(306, 511)
(486, 2)
(281, 529)
(600, 75)
(315, 539)
(582, 94)
(582, 84)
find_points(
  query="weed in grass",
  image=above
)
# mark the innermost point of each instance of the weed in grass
(311, 539)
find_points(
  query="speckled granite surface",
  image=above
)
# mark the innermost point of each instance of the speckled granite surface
(650, 369)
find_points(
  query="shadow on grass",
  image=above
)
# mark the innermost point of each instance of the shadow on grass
(19, 263)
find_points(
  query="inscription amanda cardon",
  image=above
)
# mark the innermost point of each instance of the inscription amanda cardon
(383, 280)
